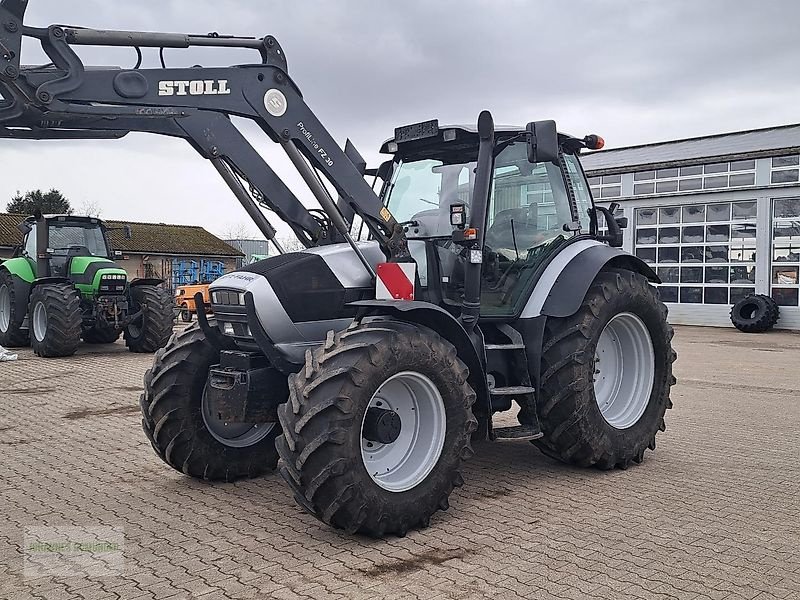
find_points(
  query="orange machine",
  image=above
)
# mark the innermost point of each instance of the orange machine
(184, 299)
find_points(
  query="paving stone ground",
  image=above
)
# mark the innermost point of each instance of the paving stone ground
(713, 513)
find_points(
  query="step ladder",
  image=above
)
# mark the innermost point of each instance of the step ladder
(525, 393)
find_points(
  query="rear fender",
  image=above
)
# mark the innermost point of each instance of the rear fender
(564, 283)
(443, 323)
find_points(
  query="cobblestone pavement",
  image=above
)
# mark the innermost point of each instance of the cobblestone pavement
(713, 513)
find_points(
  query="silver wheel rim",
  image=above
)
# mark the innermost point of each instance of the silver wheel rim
(624, 370)
(5, 308)
(405, 463)
(235, 435)
(39, 321)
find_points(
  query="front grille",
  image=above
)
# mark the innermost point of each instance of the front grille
(227, 298)
(231, 316)
(112, 284)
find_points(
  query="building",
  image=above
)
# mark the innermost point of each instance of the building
(718, 217)
(176, 253)
(253, 250)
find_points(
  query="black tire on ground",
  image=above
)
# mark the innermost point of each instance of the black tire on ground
(575, 430)
(98, 335)
(320, 448)
(155, 327)
(58, 307)
(13, 336)
(173, 421)
(755, 313)
(186, 314)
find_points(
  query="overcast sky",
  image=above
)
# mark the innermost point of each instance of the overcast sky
(632, 71)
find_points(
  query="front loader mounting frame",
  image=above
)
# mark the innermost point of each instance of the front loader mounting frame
(65, 100)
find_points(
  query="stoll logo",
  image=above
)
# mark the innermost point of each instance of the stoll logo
(198, 87)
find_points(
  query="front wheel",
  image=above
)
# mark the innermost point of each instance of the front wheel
(606, 374)
(186, 314)
(179, 422)
(153, 328)
(377, 424)
(55, 317)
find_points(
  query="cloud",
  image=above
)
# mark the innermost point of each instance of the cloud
(634, 72)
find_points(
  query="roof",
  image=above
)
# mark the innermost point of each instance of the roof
(147, 238)
(752, 143)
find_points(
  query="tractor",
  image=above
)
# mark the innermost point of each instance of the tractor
(62, 286)
(481, 277)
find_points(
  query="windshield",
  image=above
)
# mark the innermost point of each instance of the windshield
(531, 196)
(528, 208)
(85, 237)
(422, 191)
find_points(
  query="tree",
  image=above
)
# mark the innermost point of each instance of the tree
(52, 202)
(291, 244)
(90, 208)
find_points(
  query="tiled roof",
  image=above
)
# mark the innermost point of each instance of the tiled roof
(147, 238)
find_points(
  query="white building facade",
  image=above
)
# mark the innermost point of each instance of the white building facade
(716, 217)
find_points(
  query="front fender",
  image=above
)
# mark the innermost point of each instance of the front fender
(442, 322)
(564, 283)
(146, 281)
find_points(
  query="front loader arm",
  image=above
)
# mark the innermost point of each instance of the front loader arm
(67, 100)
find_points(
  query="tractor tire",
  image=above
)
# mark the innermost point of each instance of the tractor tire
(756, 313)
(154, 329)
(96, 335)
(179, 426)
(55, 320)
(186, 314)
(418, 442)
(11, 333)
(615, 353)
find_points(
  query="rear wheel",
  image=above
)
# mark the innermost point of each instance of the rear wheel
(154, 328)
(181, 426)
(606, 375)
(99, 335)
(55, 320)
(11, 333)
(377, 424)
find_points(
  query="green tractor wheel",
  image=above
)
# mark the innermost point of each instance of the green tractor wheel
(153, 330)
(11, 333)
(55, 316)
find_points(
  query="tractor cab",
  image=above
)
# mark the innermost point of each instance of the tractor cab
(52, 243)
(534, 208)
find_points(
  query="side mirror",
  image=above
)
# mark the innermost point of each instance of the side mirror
(128, 232)
(542, 139)
(24, 228)
(385, 170)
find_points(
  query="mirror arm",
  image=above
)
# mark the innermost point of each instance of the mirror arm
(614, 236)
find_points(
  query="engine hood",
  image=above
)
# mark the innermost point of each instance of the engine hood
(300, 296)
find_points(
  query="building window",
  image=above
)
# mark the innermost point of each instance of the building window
(714, 176)
(785, 276)
(703, 253)
(785, 169)
(607, 186)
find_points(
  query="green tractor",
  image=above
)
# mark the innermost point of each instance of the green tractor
(61, 286)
